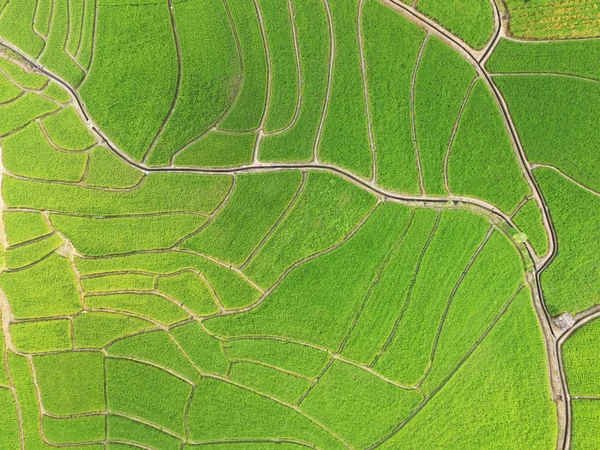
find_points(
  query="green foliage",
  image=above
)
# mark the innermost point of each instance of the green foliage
(471, 20)
(22, 111)
(439, 94)
(204, 350)
(257, 202)
(124, 429)
(190, 290)
(71, 382)
(586, 414)
(56, 92)
(325, 212)
(74, 429)
(16, 26)
(391, 45)
(358, 405)
(98, 329)
(67, 131)
(108, 170)
(24, 226)
(345, 131)
(529, 221)
(27, 153)
(45, 289)
(219, 149)
(41, 336)
(482, 161)
(297, 143)
(118, 282)
(281, 385)
(582, 362)
(134, 69)
(10, 436)
(143, 391)
(248, 107)
(289, 356)
(8, 91)
(24, 78)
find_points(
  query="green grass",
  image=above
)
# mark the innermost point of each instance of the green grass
(118, 282)
(158, 193)
(57, 93)
(42, 336)
(220, 411)
(281, 385)
(297, 143)
(10, 438)
(318, 300)
(16, 26)
(22, 111)
(582, 362)
(108, 170)
(28, 154)
(71, 382)
(124, 429)
(24, 226)
(358, 405)
(74, 430)
(482, 162)
(99, 329)
(325, 212)
(345, 131)
(143, 391)
(384, 32)
(439, 95)
(571, 283)
(284, 74)
(204, 350)
(291, 357)
(8, 91)
(67, 131)
(219, 149)
(470, 20)
(191, 290)
(557, 121)
(529, 221)
(210, 75)
(123, 235)
(257, 202)
(24, 78)
(141, 78)
(247, 110)
(18, 257)
(586, 414)
(45, 289)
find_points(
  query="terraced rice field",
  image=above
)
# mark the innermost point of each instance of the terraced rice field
(276, 224)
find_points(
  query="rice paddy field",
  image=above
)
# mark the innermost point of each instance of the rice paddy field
(283, 224)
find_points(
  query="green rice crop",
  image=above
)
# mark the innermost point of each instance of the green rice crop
(22, 111)
(4, 380)
(27, 153)
(156, 348)
(123, 235)
(99, 329)
(209, 78)
(45, 289)
(158, 193)
(586, 414)
(256, 203)
(142, 76)
(260, 445)
(190, 290)
(16, 26)
(582, 362)
(204, 350)
(56, 92)
(42, 336)
(529, 221)
(74, 429)
(284, 74)
(41, 21)
(71, 382)
(297, 143)
(24, 78)
(321, 296)
(358, 405)
(281, 385)
(25, 255)
(127, 430)
(289, 356)
(219, 149)
(439, 95)
(391, 46)
(86, 44)
(571, 283)
(325, 212)
(345, 131)
(67, 131)
(75, 25)
(220, 410)
(10, 436)
(108, 170)
(557, 120)
(247, 110)
(146, 305)
(482, 162)
(143, 391)
(118, 282)
(8, 91)
(23, 226)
